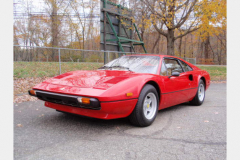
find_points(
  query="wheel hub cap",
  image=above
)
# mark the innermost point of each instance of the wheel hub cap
(201, 92)
(149, 105)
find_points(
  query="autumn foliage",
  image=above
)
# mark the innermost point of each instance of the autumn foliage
(185, 28)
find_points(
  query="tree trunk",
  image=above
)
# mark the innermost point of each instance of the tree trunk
(180, 47)
(185, 45)
(158, 46)
(54, 28)
(30, 53)
(192, 44)
(170, 42)
(206, 48)
(199, 50)
(156, 42)
(161, 42)
(220, 56)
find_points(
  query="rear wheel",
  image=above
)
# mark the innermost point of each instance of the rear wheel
(146, 109)
(200, 95)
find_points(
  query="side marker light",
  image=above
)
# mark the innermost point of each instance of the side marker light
(129, 94)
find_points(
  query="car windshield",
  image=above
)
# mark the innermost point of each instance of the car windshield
(139, 64)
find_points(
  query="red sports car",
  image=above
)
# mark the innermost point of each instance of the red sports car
(134, 86)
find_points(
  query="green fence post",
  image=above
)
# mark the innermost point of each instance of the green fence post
(105, 58)
(59, 57)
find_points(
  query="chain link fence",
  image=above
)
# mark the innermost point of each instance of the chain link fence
(190, 60)
(32, 61)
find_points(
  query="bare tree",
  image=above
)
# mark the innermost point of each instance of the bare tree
(53, 6)
(174, 14)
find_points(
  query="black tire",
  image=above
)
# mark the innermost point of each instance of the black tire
(198, 100)
(138, 117)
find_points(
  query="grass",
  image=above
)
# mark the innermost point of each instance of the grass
(217, 73)
(50, 69)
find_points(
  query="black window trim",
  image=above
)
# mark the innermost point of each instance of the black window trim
(176, 60)
(163, 63)
(186, 64)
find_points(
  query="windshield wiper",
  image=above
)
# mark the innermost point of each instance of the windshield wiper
(110, 67)
(121, 67)
(104, 67)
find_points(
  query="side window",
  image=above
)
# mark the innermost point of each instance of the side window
(172, 65)
(185, 66)
(163, 70)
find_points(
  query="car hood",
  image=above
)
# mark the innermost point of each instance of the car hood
(106, 85)
(99, 79)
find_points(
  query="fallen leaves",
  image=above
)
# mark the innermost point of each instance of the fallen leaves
(20, 99)
(218, 81)
(41, 115)
(19, 125)
(21, 87)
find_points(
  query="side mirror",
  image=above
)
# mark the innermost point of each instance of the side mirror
(176, 74)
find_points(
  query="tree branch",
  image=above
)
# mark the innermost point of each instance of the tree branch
(160, 31)
(151, 8)
(187, 32)
(221, 41)
(183, 19)
(180, 6)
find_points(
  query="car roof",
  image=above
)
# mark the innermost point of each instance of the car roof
(162, 56)
(159, 55)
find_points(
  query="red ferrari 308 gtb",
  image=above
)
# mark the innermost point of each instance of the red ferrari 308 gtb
(134, 86)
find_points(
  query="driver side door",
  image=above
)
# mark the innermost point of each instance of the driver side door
(175, 90)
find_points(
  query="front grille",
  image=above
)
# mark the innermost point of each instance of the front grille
(67, 100)
(58, 98)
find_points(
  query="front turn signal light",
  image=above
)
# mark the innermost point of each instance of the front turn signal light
(32, 92)
(92, 103)
(84, 100)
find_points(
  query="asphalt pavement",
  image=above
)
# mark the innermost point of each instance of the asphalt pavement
(181, 132)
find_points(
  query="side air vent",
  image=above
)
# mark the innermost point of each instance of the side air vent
(191, 77)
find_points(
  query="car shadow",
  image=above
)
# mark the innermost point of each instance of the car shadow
(71, 120)
(172, 108)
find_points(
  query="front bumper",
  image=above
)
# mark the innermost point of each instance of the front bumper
(96, 109)
(64, 99)
(109, 110)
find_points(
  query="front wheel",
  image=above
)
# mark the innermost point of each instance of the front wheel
(200, 95)
(146, 109)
